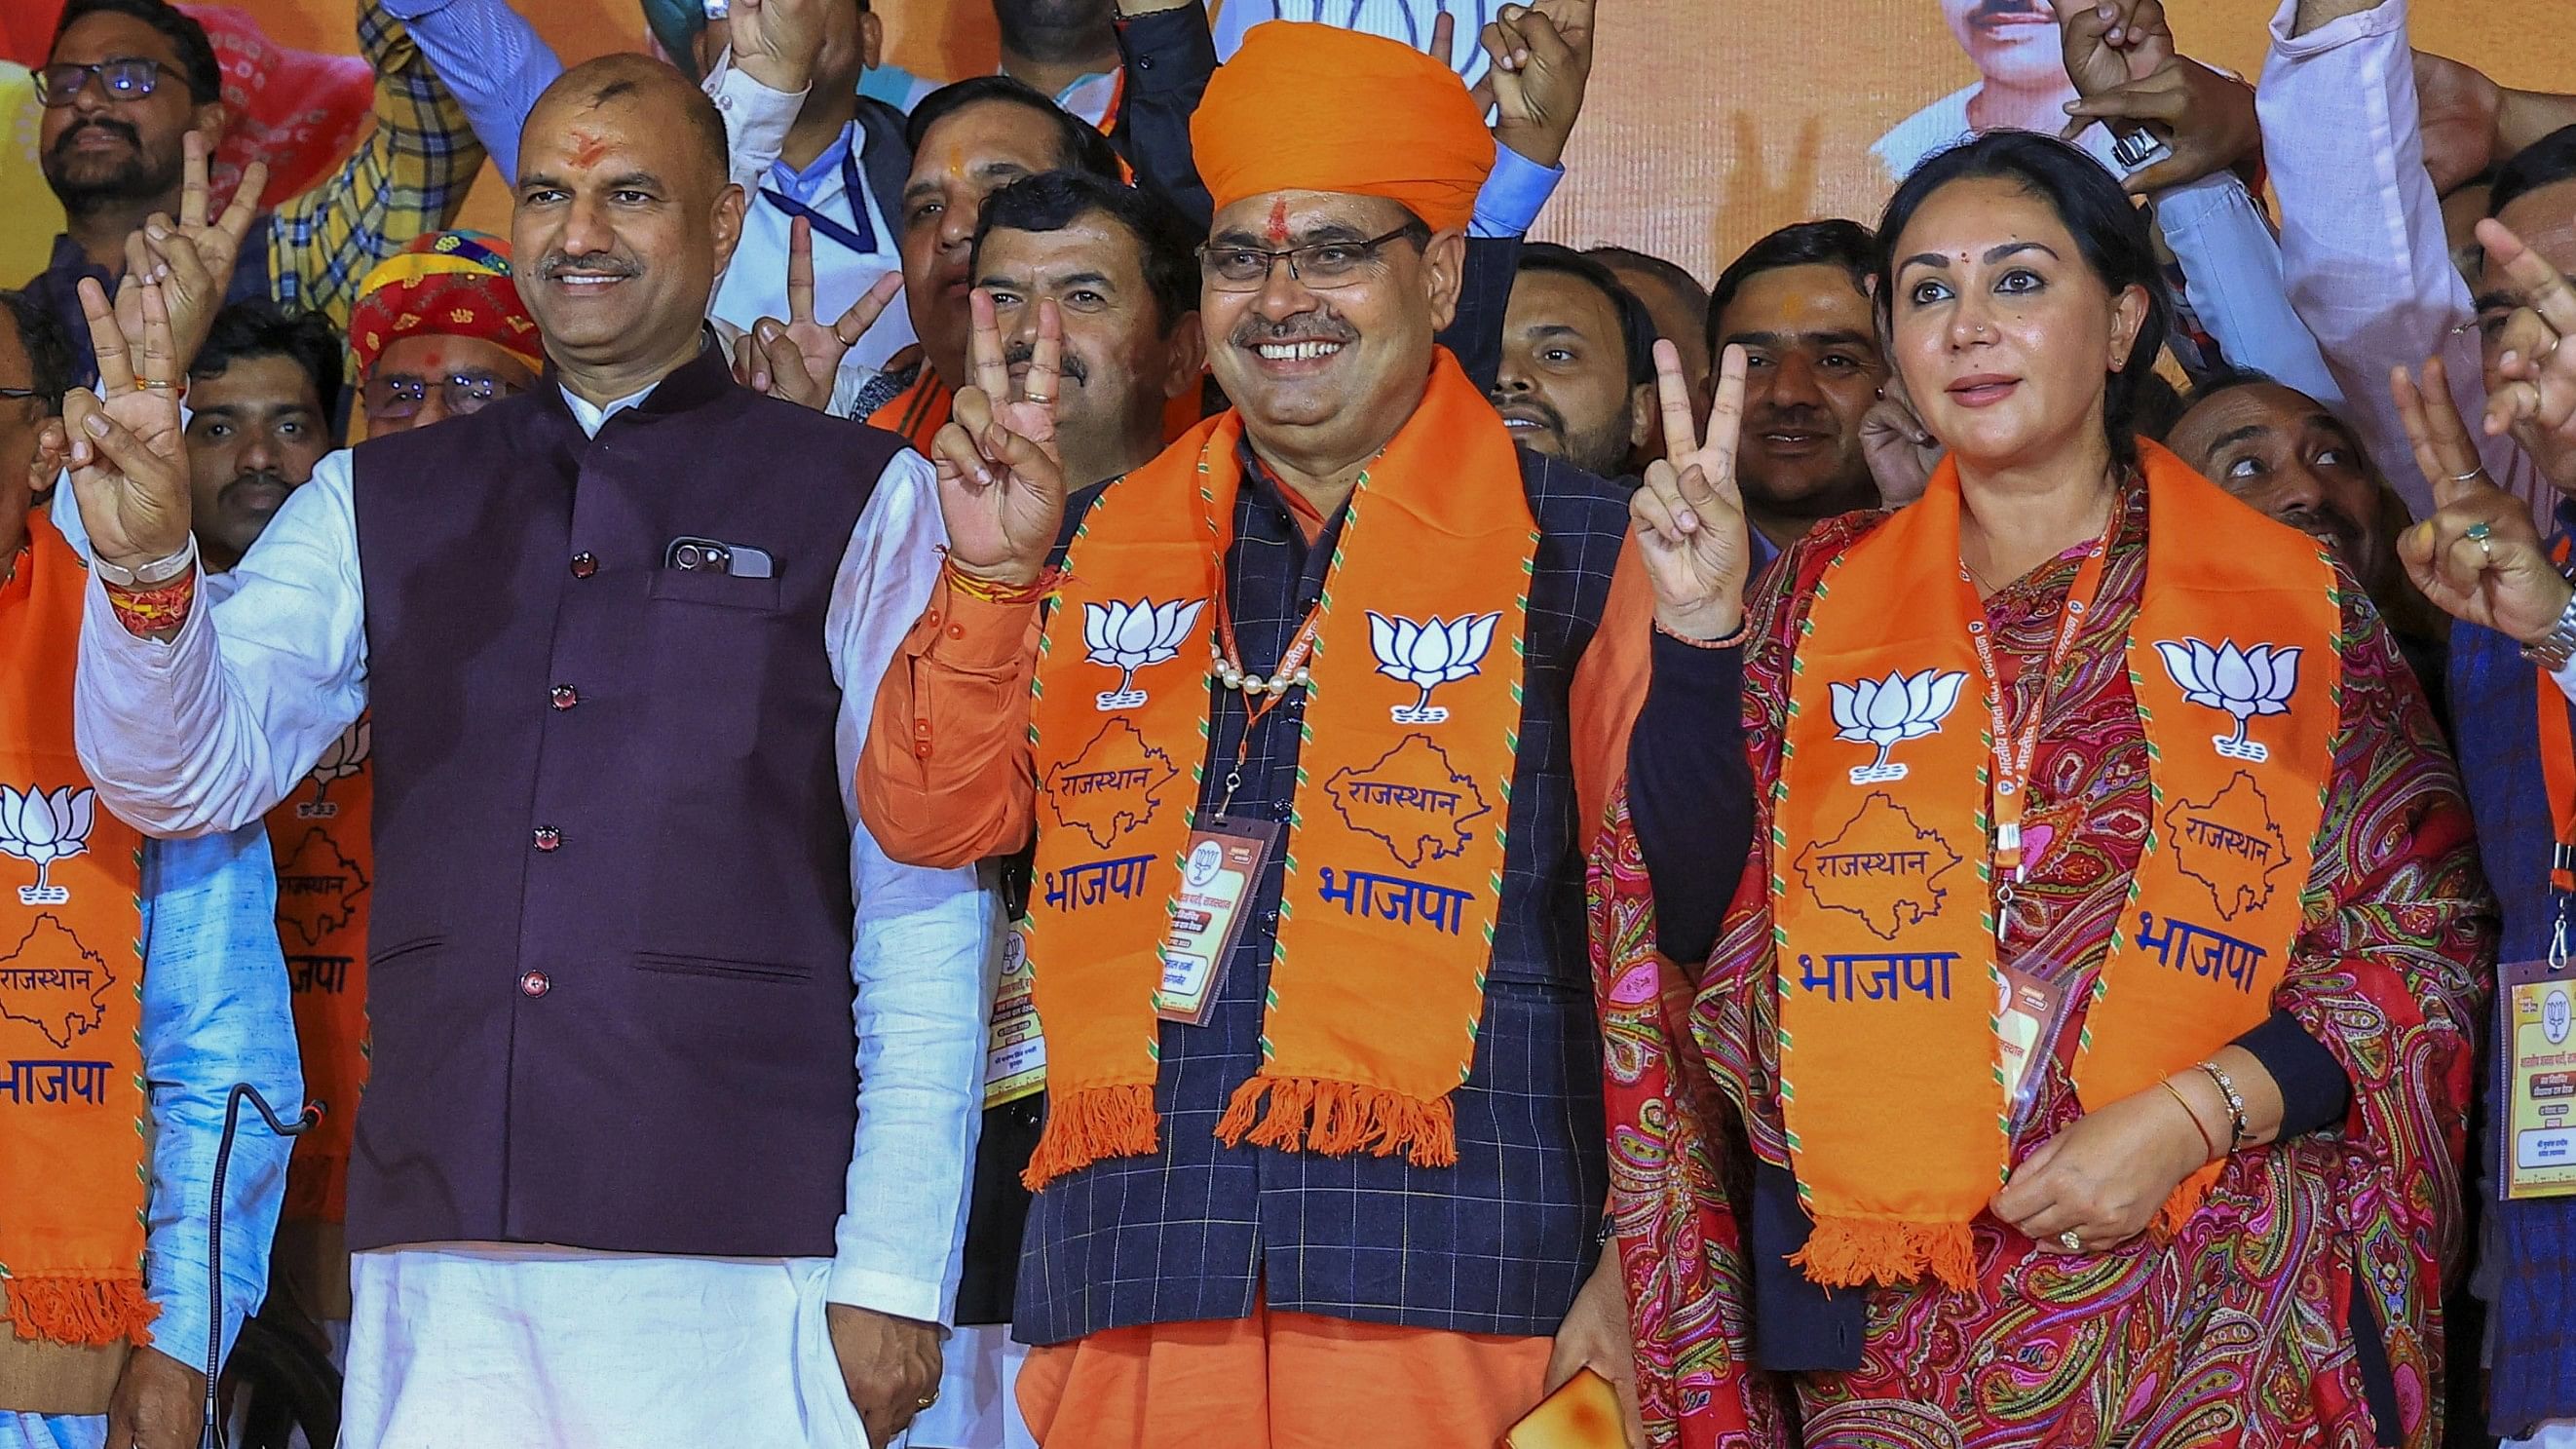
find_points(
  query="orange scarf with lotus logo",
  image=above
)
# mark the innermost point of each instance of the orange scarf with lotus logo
(1394, 851)
(74, 1124)
(1883, 884)
(325, 851)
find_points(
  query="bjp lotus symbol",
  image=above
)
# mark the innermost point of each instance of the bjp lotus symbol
(340, 759)
(1887, 712)
(40, 829)
(1427, 656)
(2245, 683)
(1128, 637)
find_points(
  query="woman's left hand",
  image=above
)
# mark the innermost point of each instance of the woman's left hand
(2106, 1175)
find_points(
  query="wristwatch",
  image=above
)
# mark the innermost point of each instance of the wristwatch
(2552, 650)
(158, 571)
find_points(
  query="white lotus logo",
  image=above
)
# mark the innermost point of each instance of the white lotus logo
(1128, 637)
(342, 757)
(1887, 712)
(41, 829)
(1427, 656)
(2245, 683)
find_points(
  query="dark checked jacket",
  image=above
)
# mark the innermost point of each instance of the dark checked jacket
(1496, 1244)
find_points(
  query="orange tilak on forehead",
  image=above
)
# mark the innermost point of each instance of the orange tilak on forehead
(956, 162)
(585, 149)
(1277, 231)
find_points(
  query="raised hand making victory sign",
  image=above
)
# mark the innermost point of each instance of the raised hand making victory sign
(1688, 515)
(798, 359)
(129, 462)
(1001, 483)
(2479, 557)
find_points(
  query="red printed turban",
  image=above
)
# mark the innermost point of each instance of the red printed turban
(446, 284)
(1306, 107)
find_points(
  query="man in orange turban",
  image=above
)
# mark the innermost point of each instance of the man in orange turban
(1310, 720)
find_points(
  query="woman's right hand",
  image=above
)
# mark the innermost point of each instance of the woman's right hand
(1688, 514)
(1001, 481)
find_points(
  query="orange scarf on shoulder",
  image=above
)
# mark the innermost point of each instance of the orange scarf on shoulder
(1394, 852)
(919, 411)
(1882, 887)
(74, 1123)
(321, 838)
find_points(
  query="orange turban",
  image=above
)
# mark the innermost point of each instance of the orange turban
(1305, 107)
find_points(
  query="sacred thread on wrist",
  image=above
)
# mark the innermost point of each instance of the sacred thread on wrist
(2208, 1147)
(1743, 626)
(156, 609)
(992, 592)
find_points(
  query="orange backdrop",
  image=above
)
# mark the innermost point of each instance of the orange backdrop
(1709, 123)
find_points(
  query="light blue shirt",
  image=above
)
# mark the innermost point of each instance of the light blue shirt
(215, 1012)
(1515, 192)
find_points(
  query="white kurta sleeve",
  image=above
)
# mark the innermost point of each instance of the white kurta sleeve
(925, 950)
(209, 730)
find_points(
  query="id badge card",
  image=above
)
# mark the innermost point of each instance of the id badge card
(2537, 1140)
(1219, 873)
(1015, 1054)
(2026, 1029)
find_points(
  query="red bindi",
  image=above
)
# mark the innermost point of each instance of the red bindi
(1278, 229)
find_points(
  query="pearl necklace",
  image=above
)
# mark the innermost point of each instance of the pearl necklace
(1225, 673)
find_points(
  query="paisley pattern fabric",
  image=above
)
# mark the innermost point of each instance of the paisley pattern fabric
(2237, 1330)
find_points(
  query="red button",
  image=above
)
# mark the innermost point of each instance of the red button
(547, 837)
(584, 565)
(564, 696)
(535, 984)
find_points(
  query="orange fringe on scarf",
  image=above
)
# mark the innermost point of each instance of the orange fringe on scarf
(81, 1310)
(1091, 1123)
(1313, 1114)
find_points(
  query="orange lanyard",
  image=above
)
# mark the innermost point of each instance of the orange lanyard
(2014, 751)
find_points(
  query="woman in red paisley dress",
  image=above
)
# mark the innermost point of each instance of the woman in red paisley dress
(2020, 774)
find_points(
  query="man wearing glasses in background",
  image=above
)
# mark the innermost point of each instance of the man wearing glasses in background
(128, 81)
(439, 331)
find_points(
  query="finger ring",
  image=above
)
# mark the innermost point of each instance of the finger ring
(1041, 399)
(2070, 1241)
(846, 344)
(2479, 471)
(2478, 531)
(154, 384)
(926, 1402)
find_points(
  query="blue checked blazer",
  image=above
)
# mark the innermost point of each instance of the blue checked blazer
(1496, 1244)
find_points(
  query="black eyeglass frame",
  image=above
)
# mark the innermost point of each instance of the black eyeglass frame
(55, 98)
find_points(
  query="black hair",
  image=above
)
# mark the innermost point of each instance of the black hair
(2160, 406)
(197, 63)
(258, 329)
(1636, 324)
(2544, 162)
(1078, 146)
(1835, 242)
(1671, 274)
(1054, 200)
(2110, 234)
(2227, 377)
(49, 353)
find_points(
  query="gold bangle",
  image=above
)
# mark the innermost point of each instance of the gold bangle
(2208, 1147)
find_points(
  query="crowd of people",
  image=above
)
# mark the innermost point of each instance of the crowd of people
(1963, 837)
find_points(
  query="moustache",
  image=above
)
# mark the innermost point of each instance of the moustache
(1319, 325)
(268, 476)
(2325, 517)
(1529, 407)
(1019, 354)
(598, 264)
(108, 124)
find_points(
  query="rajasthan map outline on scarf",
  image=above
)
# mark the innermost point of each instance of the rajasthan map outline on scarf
(1888, 982)
(1394, 853)
(75, 1174)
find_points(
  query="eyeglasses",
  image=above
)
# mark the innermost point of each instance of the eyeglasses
(1321, 265)
(462, 392)
(127, 78)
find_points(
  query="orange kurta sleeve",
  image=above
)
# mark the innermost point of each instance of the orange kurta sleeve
(1609, 689)
(946, 778)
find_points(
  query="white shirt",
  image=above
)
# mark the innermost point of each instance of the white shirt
(2363, 249)
(754, 285)
(210, 730)
(1409, 21)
